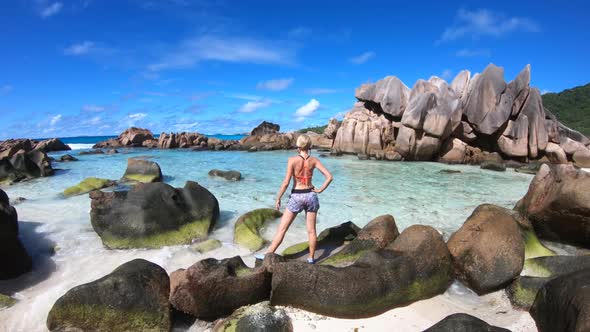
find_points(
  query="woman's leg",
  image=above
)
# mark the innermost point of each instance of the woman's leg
(286, 221)
(311, 232)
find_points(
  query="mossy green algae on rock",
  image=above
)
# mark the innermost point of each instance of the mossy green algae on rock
(88, 185)
(247, 227)
(134, 297)
(152, 215)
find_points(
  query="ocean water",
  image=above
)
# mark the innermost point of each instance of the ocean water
(86, 142)
(67, 252)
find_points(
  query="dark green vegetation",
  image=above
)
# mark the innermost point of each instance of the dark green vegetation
(572, 107)
(318, 129)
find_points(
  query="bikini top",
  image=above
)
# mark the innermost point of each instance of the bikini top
(302, 177)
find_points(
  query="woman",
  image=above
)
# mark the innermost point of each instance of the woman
(304, 196)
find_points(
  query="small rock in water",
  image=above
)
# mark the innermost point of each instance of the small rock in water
(17, 200)
(207, 245)
(493, 166)
(97, 151)
(228, 175)
(67, 157)
(449, 171)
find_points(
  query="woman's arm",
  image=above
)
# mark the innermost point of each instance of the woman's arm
(284, 185)
(326, 174)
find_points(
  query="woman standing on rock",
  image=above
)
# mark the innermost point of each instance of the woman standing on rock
(304, 196)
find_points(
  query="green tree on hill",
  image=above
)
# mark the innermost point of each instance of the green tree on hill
(571, 107)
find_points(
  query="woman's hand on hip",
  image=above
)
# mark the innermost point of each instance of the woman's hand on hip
(317, 191)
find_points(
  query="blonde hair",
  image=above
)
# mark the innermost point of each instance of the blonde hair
(304, 142)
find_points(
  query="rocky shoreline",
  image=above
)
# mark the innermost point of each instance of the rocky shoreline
(472, 120)
(361, 272)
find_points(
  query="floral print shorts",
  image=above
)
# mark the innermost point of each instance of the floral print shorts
(303, 201)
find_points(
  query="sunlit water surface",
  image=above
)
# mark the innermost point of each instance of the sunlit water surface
(414, 193)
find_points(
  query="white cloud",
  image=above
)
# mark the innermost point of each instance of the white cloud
(466, 52)
(5, 89)
(232, 49)
(321, 91)
(80, 48)
(55, 120)
(254, 105)
(137, 116)
(484, 22)
(94, 121)
(544, 91)
(306, 110)
(93, 108)
(360, 59)
(50, 10)
(275, 85)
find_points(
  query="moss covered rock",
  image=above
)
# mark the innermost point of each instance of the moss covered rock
(377, 282)
(523, 290)
(553, 266)
(258, 317)
(558, 204)
(6, 301)
(533, 247)
(214, 288)
(88, 185)
(247, 228)
(328, 241)
(152, 215)
(377, 234)
(228, 175)
(207, 245)
(463, 323)
(14, 259)
(488, 250)
(141, 170)
(134, 297)
(563, 304)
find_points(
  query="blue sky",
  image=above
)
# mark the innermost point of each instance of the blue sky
(89, 67)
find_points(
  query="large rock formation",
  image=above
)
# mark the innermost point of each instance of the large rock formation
(24, 165)
(152, 215)
(212, 288)
(134, 297)
(558, 204)
(14, 259)
(417, 266)
(11, 147)
(563, 304)
(265, 128)
(377, 234)
(488, 250)
(435, 118)
(140, 170)
(131, 137)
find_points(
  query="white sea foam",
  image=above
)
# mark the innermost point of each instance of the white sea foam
(414, 193)
(80, 146)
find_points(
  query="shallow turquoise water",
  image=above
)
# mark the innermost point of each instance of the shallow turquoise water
(414, 193)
